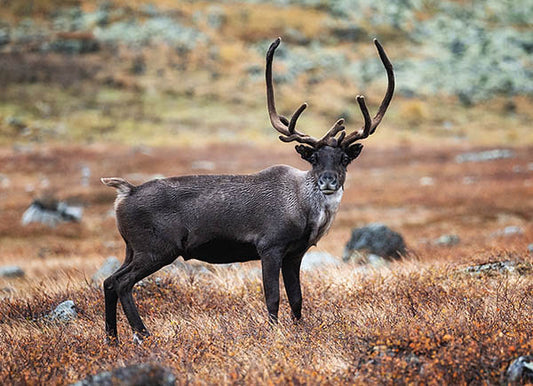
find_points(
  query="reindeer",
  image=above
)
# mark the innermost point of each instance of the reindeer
(274, 216)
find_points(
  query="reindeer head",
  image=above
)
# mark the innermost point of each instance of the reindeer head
(331, 154)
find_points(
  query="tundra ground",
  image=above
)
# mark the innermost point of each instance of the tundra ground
(421, 319)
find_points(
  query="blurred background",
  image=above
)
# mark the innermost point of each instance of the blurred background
(190, 72)
(141, 89)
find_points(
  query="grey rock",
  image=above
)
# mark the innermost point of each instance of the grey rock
(11, 271)
(51, 212)
(500, 267)
(447, 240)
(520, 370)
(488, 155)
(64, 312)
(512, 230)
(377, 239)
(368, 259)
(111, 264)
(139, 374)
(530, 249)
(315, 260)
(182, 266)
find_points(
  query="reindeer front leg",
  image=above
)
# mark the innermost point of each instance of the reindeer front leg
(291, 279)
(271, 266)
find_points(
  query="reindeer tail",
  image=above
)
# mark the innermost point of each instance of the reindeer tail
(123, 187)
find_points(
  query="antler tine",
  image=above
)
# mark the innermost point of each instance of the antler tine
(371, 124)
(390, 87)
(301, 138)
(341, 137)
(280, 123)
(337, 127)
(294, 118)
(365, 130)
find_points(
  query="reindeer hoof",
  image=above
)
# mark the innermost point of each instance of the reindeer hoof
(138, 338)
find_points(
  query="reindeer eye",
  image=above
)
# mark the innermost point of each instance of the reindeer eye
(313, 159)
(345, 160)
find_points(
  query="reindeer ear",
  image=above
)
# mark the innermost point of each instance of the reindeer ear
(353, 151)
(305, 151)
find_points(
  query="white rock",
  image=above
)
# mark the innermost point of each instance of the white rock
(314, 260)
(110, 265)
(64, 312)
(11, 271)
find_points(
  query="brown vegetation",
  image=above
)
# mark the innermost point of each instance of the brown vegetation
(421, 319)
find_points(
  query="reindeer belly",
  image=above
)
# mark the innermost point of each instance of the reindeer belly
(221, 251)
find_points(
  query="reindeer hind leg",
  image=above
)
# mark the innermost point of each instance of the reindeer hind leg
(143, 264)
(111, 298)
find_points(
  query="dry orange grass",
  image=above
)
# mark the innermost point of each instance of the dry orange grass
(418, 320)
(414, 322)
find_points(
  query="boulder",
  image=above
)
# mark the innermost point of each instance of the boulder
(111, 264)
(315, 260)
(511, 230)
(64, 312)
(51, 212)
(11, 271)
(483, 156)
(181, 266)
(137, 375)
(376, 239)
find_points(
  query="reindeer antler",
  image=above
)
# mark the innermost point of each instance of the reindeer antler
(286, 127)
(371, 124)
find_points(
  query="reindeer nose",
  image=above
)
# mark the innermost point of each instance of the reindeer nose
(328, 181)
